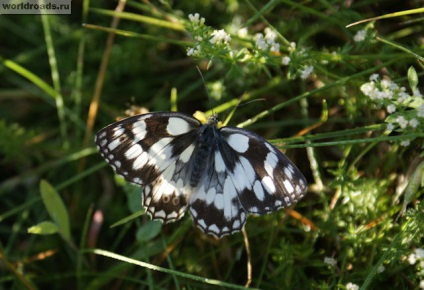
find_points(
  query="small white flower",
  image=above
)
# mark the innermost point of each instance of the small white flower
(402, 122)
(385, 84)
(285, 60)
(393, 86)
(422, 284)
(374, 77)
(269, 33)
(260, 41)
(391, 108)
(193, 50)
(242, 33)
(196, 19)
(306, 72)
(351, 286)
(419, 253)
(292, 46)
(387, 94)
(367, 89)
(330, 261)
(405, 143)
(381, 269)
(414, 123)
(412, 259)
(220, 37)
(190, 51)
(360, 36)
(417, 93)
(402, 97)
(275, 47)
(421, 111)
(390, 127)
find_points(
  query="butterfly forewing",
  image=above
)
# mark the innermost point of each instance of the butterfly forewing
(266, 179)
(148, 150)
(221, 175)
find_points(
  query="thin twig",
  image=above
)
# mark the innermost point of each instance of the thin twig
(94, 105)
(249, 260)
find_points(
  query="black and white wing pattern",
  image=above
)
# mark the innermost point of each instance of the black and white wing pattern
(220, 174)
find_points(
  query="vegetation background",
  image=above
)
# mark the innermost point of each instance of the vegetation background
(357, 140)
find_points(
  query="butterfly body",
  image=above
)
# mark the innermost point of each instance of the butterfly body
(220, 174)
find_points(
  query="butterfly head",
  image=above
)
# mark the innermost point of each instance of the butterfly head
(211, 120)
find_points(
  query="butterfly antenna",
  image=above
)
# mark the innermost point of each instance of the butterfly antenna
(230, 115)
(206, 88)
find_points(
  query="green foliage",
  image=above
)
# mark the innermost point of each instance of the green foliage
(351, 95)
(57, 211)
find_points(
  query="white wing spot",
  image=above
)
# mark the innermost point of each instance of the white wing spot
(269, 146)
(177, 126)
(133, 152)
(193, 212)
(268, 184)
(160, 214)
(219, 162)
(118, 131)
(219, 201)
(244, 174)
(238, 142)
(141, 161)
(214, 228)
(161, 153)
(172, 216)
(270, 163)
(210, 195)
(139, 130)
(137, 180)
(259, 191)
(112, 145)
(289, 187)
(186, 154)
(202, 223)
(288, 171)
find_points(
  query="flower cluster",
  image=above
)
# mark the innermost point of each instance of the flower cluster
(406, 112)
(207, 41)
(217, 44)
(417, 258)
(360, 36)
(351, 286)
(267, 42)
(330, 261)
(306, 72)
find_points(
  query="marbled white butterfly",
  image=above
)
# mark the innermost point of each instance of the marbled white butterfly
(220, 174)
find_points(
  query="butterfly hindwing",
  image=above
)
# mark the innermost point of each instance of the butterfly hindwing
(220, 174)
(215, 206)
(246, 175)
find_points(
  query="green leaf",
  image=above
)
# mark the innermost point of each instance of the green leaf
(56, 208)
(44, 228)
(133, 198)
(148, 231)
(128, 218)
(412, 78)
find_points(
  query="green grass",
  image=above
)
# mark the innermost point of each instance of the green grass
(67, 222)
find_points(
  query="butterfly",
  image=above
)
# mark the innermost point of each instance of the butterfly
(220, 174)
